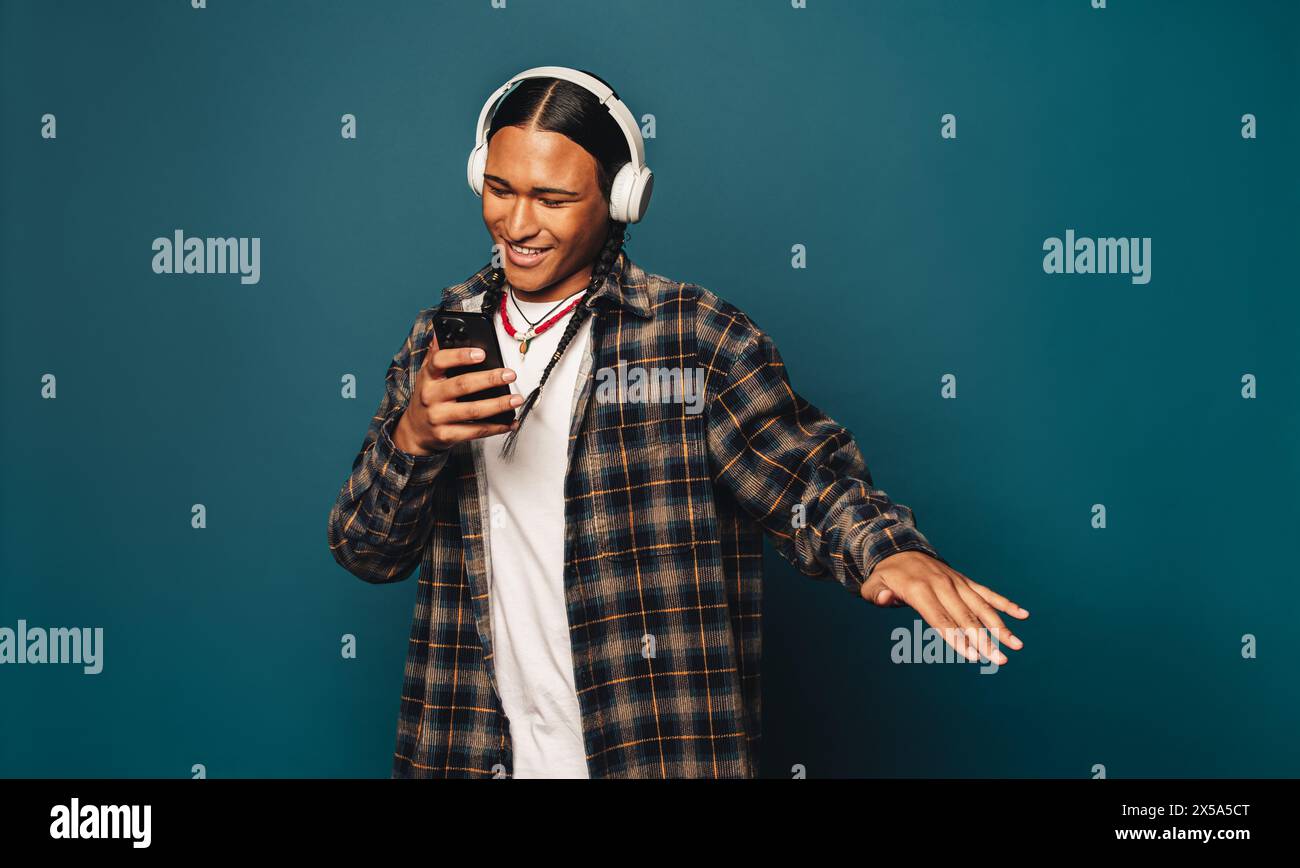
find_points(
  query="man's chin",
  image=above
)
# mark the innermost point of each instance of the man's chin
(523, 282)
(528, 280)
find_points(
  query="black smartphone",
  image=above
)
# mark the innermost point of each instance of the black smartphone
(472, 328)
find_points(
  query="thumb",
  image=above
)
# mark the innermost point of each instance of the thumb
(875, 591)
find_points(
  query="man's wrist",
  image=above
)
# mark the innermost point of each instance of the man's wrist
(403, 441)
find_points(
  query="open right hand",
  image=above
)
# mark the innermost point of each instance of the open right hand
(434, 419)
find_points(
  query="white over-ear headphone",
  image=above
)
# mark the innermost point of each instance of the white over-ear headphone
(630, 195)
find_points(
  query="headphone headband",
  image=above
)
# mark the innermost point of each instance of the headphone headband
(603, 92)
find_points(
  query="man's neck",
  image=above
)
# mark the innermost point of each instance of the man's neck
(557, 291)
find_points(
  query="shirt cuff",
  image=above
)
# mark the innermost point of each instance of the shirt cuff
(402, 468)
(902, 536)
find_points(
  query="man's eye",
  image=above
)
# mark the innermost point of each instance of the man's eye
(550, 203)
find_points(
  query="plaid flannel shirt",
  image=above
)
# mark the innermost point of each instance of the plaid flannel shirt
(665, 513)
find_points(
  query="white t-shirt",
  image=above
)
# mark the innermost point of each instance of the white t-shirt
(530, 625)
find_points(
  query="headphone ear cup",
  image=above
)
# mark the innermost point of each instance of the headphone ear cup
(619, 192)
(474, 169)
(629, 195)
(645, 183)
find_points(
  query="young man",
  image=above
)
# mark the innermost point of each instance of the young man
(590, 595)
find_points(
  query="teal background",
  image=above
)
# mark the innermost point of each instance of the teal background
(774, 127)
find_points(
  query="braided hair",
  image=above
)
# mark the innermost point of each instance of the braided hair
(492, 299)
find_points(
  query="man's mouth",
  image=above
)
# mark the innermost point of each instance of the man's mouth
(526, 256)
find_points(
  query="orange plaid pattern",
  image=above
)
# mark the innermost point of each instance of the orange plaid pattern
(665, 513)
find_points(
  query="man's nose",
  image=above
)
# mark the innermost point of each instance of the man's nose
(523, 218)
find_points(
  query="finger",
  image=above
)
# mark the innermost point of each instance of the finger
(476, 431)
(989, 615)
(932, 610)
(995, 599)
(468, 411)
(458, 432)
(475, 381)
(970, 626)
(454, 358)
(491, 429)
(442, 389)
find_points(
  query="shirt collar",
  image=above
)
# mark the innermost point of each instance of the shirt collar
(625, 285)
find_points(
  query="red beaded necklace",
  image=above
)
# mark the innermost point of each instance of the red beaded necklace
(532, 331)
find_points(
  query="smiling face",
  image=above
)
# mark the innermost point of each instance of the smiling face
(540, 191)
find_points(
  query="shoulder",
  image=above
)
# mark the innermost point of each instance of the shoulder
(722, 329)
